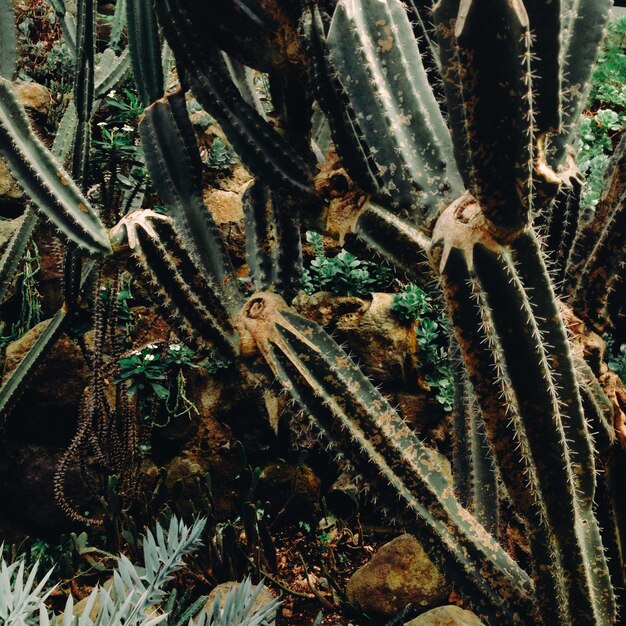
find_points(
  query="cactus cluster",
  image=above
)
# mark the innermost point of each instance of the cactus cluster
(452, 132)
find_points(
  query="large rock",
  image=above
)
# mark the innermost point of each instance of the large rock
(36, 98)
(446, 616)
(265, 596)
(400, 573)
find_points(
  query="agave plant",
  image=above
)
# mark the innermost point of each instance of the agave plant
(452, 130)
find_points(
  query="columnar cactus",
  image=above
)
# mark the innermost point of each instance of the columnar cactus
(514, 78)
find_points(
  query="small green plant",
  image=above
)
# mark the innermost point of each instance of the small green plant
(411, 305)
(220, 155)
(605, 119)
(126, 108)
(343, 274)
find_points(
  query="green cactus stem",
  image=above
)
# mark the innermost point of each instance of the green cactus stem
(263, 151)
(173, 160)
(366, 430)
(517, 355)
(194, 304)
(493, 46)
(347, 137)
(145, 50)
(584, 25)
(379, 65)
(50, 187)
(8, 40)
(474, 469)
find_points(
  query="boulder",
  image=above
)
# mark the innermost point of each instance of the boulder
(446, 616)
(36, 98)
(400, 573)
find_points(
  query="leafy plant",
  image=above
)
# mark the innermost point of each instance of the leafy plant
(220, 156)
(411, 303)
(342, 274)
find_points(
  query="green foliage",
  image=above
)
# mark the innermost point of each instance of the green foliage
(413, 304)
(126, 108)
(149, 370)
(606, 117)
(132, 598)
(220, 156)
(343, 274)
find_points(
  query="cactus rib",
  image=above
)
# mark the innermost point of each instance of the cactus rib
(51, 189)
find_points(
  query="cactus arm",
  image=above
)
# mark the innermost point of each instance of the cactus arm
(393, 238)
(260, 235)
(493, 43)
(173, 161)
(14, 251)
(50, 188)
(243, 78)
(118, 24)
(347, 137)
(84, 86)
(113, 69)
(545, 29)
(516, 351)
(20, 378)
(474, 470)
(373, 47)
(323, 379)
(145, 50)
(263, 151)
(444, 15)
(587, 21)
(195, 306)
(65, 137)
(8, 40)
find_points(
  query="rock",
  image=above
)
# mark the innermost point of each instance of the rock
(265, 596)
(7, 227)
(36, 98)
(47, 412)
(446, 616)
(292, 490)
(384, 347)
(400, 573)
(9, 189)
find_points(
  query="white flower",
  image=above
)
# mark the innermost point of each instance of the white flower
(101, 124)
(127, 129)
(149, 357)
(151, 346)
(112, 93)
(175, 347)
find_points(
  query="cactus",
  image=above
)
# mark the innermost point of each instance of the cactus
(474, 468)
(364, 428)
(8, 40)
(173, 159)
(52, 190)
(145, 50)
(518, 359)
